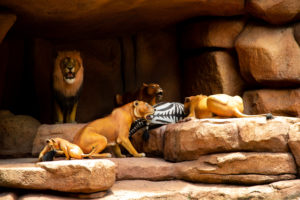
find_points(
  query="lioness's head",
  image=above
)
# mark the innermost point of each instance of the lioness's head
(142, 109)
(192, 100)
(154, 90)
(69, 62)
(52, 143)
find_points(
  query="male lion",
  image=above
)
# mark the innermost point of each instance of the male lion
(67, 84)
(150, 93)
(113, 130)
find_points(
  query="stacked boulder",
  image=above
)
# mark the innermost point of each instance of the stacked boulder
(237, 151)
(257, 59)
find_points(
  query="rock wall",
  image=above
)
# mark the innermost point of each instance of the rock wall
(263, 56)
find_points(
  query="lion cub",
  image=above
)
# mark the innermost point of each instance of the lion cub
(63, 146)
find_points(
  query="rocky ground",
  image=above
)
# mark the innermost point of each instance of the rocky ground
(251, 158)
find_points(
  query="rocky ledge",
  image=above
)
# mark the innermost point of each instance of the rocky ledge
(192, 139)
(66, 176)
(249, 151)
(156, 174)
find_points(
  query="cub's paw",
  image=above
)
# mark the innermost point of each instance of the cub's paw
(140, 155)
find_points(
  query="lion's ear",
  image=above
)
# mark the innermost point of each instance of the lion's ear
(136, 103)
(48, 141)
(145, 84)
(187, 99)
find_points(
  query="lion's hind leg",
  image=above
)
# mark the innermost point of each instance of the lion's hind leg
(98, 145)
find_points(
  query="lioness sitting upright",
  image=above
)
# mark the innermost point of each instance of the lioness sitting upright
(113, 130)
(150, 93)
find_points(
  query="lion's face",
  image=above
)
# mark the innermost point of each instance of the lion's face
(52, 143)
(69, 67)
(154, 90)
(142, 109)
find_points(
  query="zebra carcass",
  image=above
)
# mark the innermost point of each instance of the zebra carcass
(165, 113)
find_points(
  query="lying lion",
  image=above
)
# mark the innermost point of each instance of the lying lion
(221, 105)
(113, 130)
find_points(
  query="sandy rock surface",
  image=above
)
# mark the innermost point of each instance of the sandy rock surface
(66, 176)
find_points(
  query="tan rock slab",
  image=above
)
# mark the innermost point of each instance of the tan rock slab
(6, 22)
(266, 61)
(154, 169)
(17, 133)
(277, 102)
(274, 11)
(45, 131)
(179, 190)
(84, 176)
(191, 139)
(233, 168)
(212, 73)
(154, 146)
(212, 33)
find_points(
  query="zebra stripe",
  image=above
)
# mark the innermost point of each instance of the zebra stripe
(165, 113)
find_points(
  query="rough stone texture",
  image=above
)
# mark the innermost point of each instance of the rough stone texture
(154, 146)
(44, 132)
(189, 140)
(212, 73)
(294, 142)
(67, 176)
(17, 134)
(266, 61)
(91, 19)
(6, 22)
(233, 168)
(238, 168)
(179, 190)
(277, 102)
(154, 169)
(220, 32)
(274, 11)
